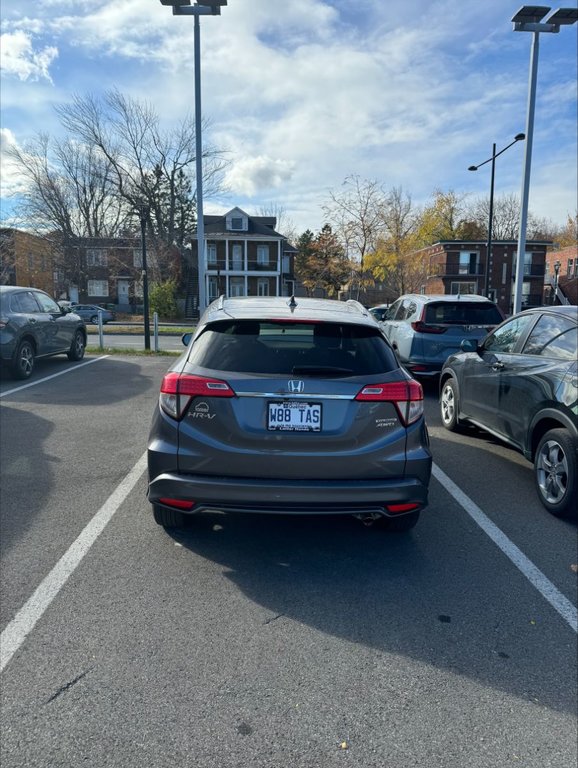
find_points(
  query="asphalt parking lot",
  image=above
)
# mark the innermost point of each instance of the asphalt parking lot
(251, 641)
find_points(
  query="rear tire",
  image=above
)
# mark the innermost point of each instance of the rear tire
(399, 524)
(555, 473)
(23, 363)
(94, 319)
(449, 405)
(76, 351)
(168, 518)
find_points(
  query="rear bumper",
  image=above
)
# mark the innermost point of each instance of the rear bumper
(297, 497)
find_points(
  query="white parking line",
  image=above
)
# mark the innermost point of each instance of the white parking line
(53, 376)
(25, 620)
(534, 575)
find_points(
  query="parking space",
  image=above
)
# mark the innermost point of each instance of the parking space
(270, 641)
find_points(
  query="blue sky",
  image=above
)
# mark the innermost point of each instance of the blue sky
(303, 93)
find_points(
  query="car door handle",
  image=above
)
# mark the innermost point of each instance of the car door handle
(498, 366)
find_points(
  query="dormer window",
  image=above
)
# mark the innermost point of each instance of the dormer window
(237, 221)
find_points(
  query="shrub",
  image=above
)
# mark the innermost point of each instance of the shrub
(162, 299)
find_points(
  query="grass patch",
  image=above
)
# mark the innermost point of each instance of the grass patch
(138, 330)
(132, 351)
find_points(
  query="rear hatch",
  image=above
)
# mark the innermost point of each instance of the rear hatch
(443, 325)
(295, 400)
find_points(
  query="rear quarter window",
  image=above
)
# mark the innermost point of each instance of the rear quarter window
(277, 348)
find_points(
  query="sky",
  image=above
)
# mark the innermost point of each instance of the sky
(305, 93)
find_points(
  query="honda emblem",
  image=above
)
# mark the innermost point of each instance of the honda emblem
(295, 387)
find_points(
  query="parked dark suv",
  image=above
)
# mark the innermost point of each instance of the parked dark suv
(289, 406)
(520, 384)
(424, 330)
(32, 325)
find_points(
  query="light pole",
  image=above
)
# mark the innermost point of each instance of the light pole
(557, 265)
(531, 18)
(143, 212)
(201, 8)
(492, 159)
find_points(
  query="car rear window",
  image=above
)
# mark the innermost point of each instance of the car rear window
(282, 348)
(463, 313)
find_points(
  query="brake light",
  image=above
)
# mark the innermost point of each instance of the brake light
(407, 396)
(420, 327)
(178, 389)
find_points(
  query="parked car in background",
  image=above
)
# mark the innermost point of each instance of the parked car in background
(379, 312)
(289, 406)
(425, 329)
(520, 384)
(89, 313)
(32, 325)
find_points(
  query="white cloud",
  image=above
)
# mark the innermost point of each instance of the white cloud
(18, 57)
(252, 175)
(10, 178)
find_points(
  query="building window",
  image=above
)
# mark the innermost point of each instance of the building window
(504, 273)
(262, 288)
(137, 258)
(237, 286)
(468, 263)
(30, 262)
(570, 268)
(211, 253)
(98, 287)
(213, 288)
(96, 257)
(237, 257)
(138, 289)
(528, 263)
(236, 222)
(463, 288)
(263, 256)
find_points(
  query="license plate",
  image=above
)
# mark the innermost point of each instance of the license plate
(294, 416)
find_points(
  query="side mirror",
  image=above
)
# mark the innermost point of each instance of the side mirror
(469, 345)
(186, 338)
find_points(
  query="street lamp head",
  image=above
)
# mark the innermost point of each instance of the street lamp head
(563, 16)
(519, 137)
(175, 2)
(530, 14)
(473, 168)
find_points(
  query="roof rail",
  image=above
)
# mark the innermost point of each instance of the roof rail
(221, 301)
(356, 305)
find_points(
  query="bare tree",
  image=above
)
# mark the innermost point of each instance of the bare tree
(284, 225)
(149, 165)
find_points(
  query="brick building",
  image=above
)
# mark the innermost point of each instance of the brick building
(458, 266)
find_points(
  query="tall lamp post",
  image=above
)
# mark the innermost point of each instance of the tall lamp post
(557, 265)
(531, 18)
(143, 212)
(200, 8)
(492, 159)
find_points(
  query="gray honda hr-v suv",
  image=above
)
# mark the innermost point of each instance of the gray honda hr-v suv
(289, 406)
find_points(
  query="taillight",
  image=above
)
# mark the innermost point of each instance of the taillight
(177, 390)
(407, 396)
(420, 327)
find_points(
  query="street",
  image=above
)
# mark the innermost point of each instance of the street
(269, 641)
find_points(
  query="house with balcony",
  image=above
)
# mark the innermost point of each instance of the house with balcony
(452, 267)
(245, 256)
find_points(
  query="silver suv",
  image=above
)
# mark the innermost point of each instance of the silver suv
(425, 330)
(289, 406)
